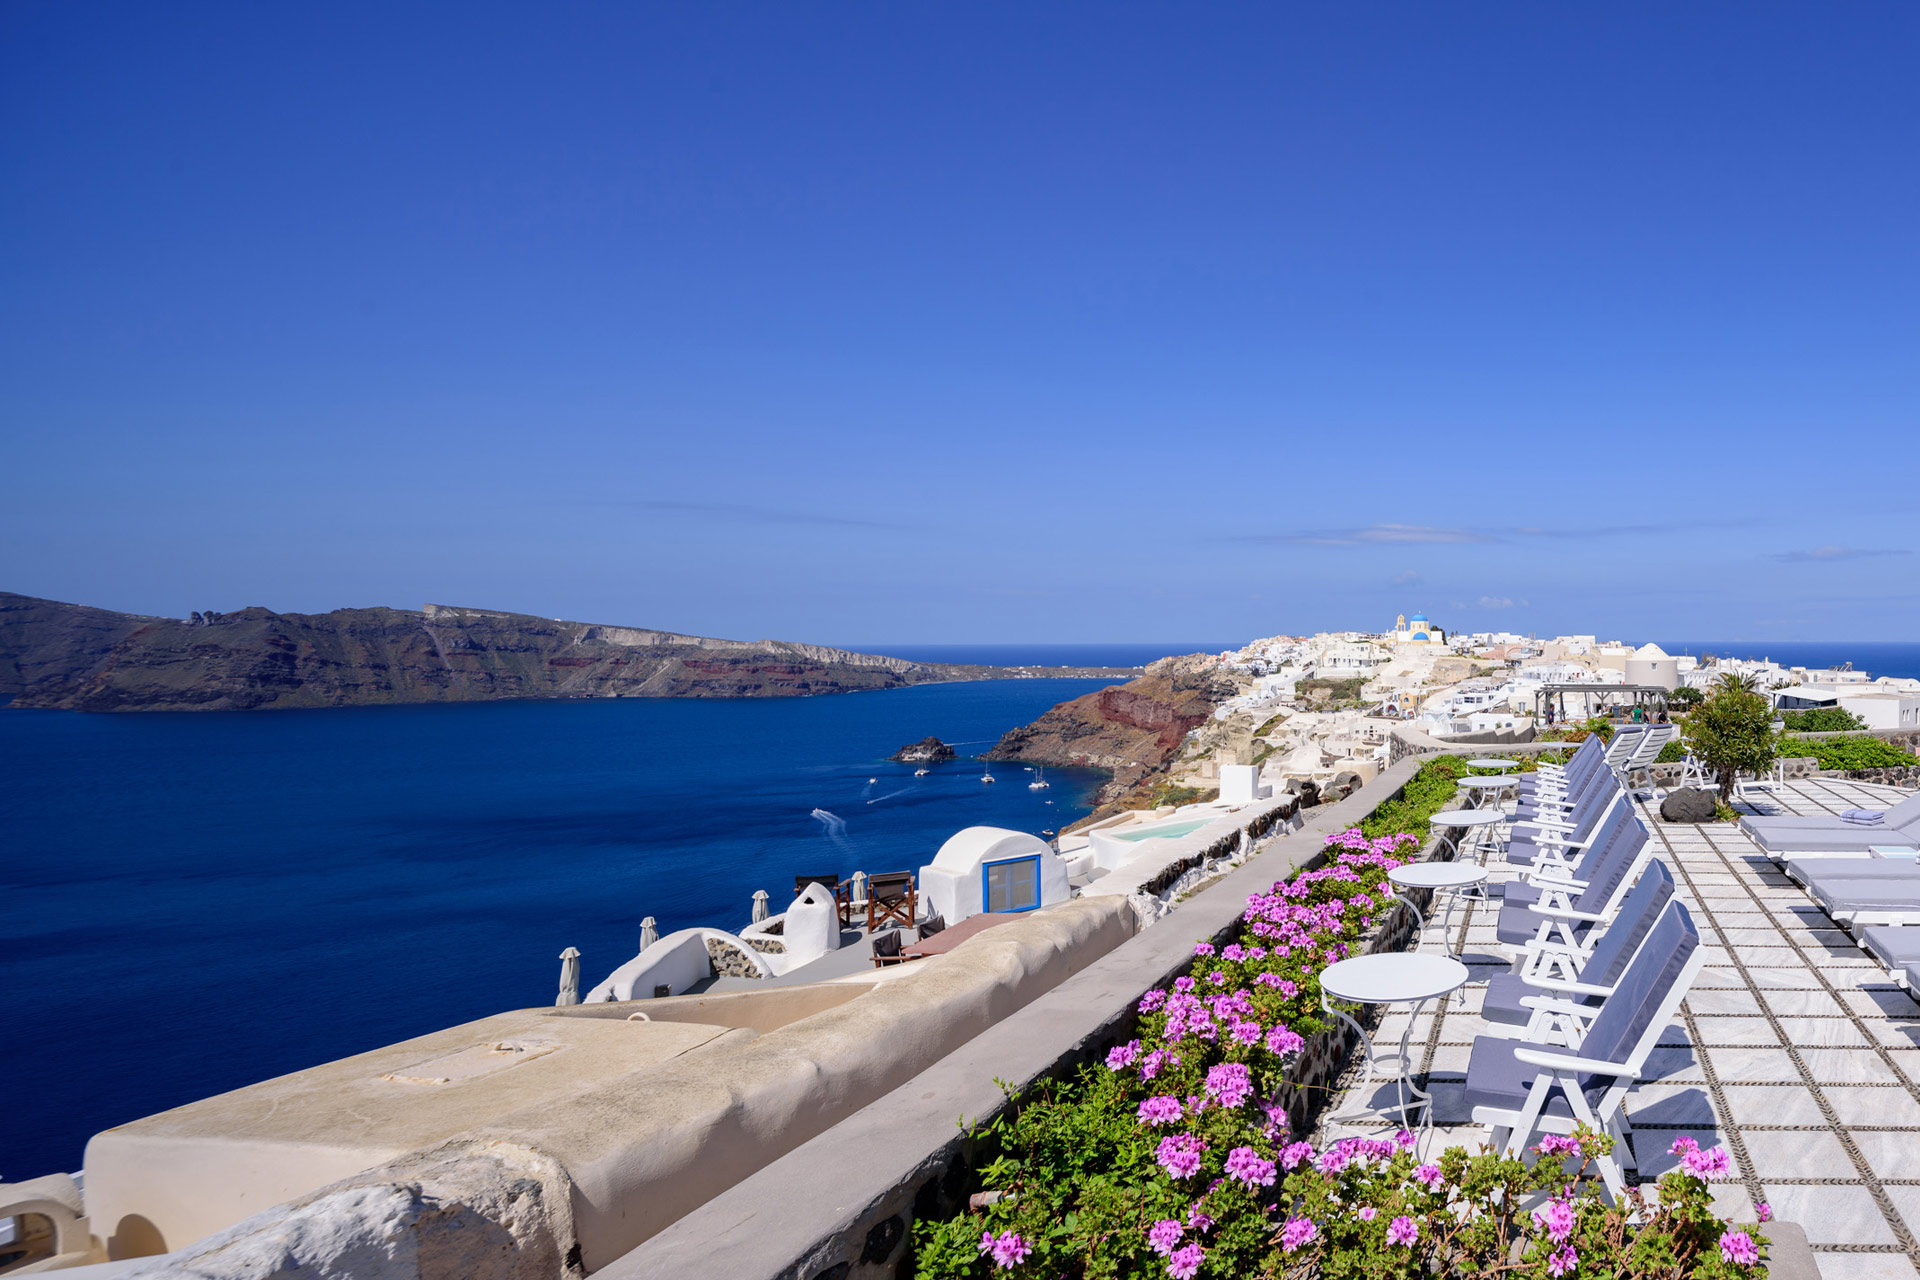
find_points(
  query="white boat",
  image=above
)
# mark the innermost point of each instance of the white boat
(1039, 782)
(988, 775)
(920, 773)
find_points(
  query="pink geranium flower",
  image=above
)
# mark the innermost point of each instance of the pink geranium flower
(1179, 1155)
(1556, 1220)
(1298, 1232)
(1008, 1249)
(1163, 1235)
(1247, 1165)
(1185, 1262)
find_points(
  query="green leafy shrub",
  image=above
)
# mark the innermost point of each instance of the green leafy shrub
(1822, 720)
(1848, 753)
(1731, 731)
(1427, 792)
(1673, 753)
(1167, 793)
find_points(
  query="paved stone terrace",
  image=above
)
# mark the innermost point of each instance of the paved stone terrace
(1794, 1049)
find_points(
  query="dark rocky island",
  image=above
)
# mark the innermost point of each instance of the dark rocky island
(74, 657)
(926, 751)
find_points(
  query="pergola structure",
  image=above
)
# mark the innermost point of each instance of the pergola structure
(1650, 699)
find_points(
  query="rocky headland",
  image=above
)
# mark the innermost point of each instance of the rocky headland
(1133, 730)
(75, 657)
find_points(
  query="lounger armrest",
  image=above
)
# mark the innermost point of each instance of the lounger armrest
(1556, 984)
(1549, 883)
(1549, 824)
(1564, 913)
(1566, 1062)
(1554, 1004)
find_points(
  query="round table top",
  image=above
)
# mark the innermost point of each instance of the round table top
(1494, 764)
(1468, 818)
(1395, 976)
(1438, 875)
(1485, 782)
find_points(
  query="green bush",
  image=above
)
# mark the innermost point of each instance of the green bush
(1673, 753)
(1822, 720)
(1848, 753)
(1732, 732)
(1427, 792)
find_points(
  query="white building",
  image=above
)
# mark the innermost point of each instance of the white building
(992, 869)
(1650, 665)
(1882, 709)
(1343, 660)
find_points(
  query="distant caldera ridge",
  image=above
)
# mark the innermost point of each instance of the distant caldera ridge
(79, 658)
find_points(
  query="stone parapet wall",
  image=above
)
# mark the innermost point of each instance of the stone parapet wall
(1901, 775)
(1405, 741)
(730, 961)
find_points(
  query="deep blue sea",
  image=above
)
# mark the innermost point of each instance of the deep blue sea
(1876, 658)
(198, 901)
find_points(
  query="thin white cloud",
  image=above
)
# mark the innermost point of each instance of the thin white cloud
(1376, 535)
(1373, 535)
(1495, 602)
(1829, 553)
(748, 513)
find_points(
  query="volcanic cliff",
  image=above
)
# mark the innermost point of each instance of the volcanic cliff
(75, 657)
(1133, 729)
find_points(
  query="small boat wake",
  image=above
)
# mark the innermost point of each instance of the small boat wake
(833, 826)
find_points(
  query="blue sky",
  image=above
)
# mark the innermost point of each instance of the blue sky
(974, 323)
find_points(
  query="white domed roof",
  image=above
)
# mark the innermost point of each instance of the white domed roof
(971, 846)
(1650, 650)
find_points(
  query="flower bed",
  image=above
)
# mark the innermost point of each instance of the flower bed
(1179, 1157)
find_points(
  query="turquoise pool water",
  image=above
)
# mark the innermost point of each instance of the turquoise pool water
(1168, 832)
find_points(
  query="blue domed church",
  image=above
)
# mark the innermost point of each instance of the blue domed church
(1417, 630)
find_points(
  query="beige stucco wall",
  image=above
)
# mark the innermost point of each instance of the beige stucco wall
(644, 1120)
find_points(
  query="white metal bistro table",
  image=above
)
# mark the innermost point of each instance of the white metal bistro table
(1483, 787)
(1455, 823)
(1493, 764)
(1450, 878)
(1400, 977)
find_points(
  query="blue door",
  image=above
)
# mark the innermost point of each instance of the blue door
(1013, 885)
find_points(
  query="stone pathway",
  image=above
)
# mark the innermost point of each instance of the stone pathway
(1794, 1049)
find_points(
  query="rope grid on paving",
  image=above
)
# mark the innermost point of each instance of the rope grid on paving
(1716, 880)
(1868, 1177)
